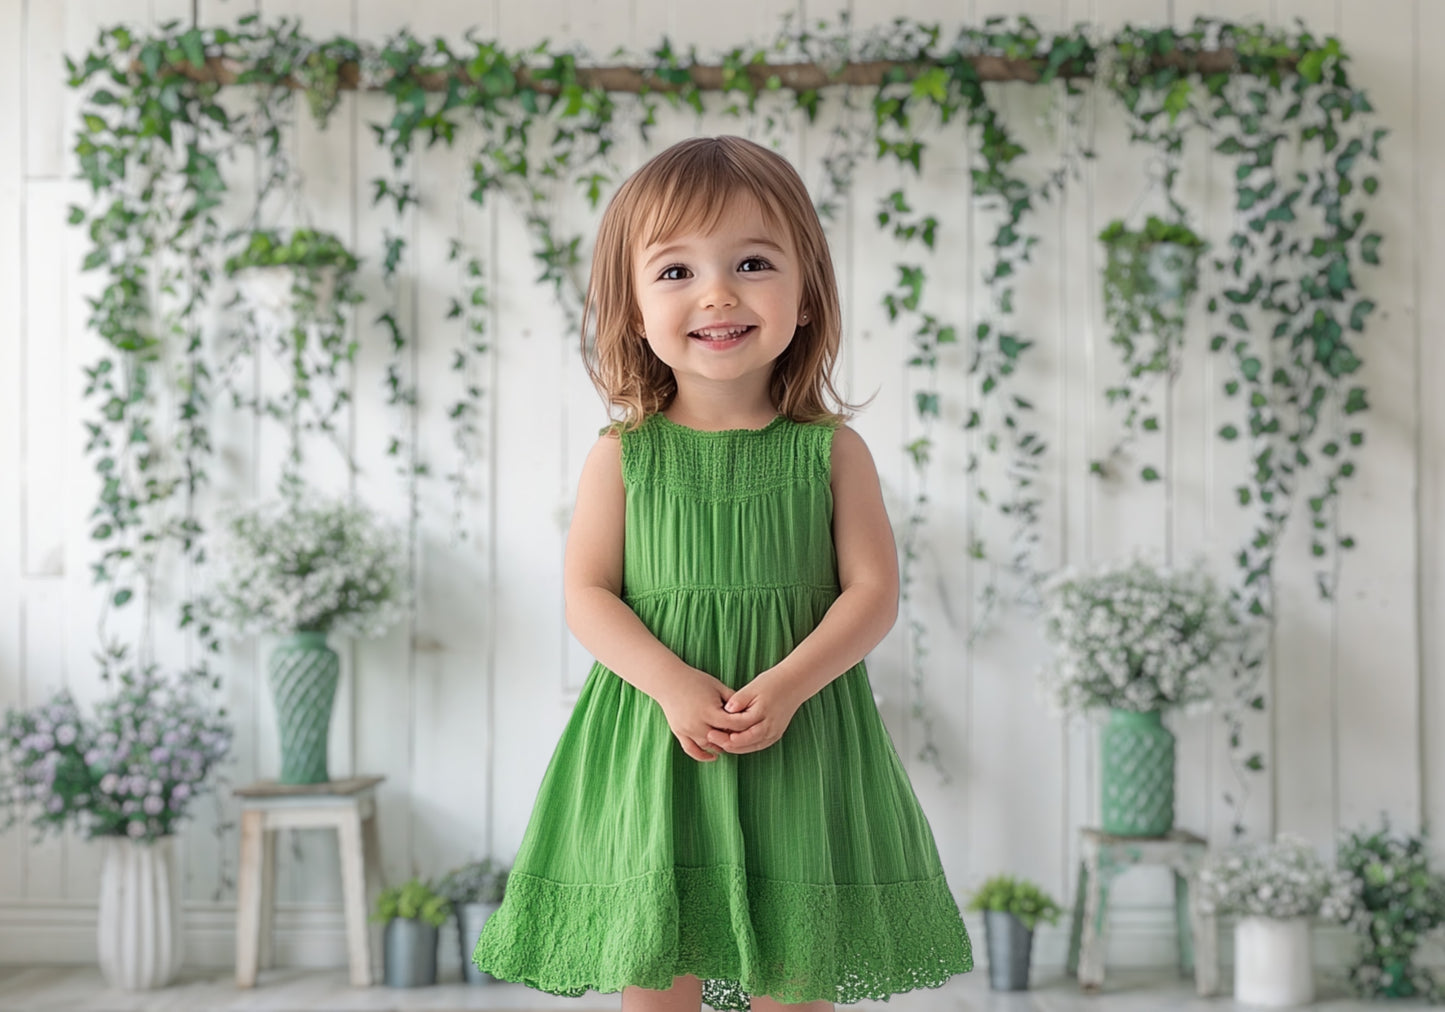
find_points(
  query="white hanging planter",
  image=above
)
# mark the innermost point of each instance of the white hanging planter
(139, 929)
(1273, 962)
(268, 290)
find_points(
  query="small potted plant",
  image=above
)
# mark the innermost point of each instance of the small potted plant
(413, 913)
(303, 568)
(127, 778)
(1401, 899)
(474, 891)
(1276, 890)
(1012, 908)
(1132, 641)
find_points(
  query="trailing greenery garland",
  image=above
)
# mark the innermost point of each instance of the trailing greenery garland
(1284, 293)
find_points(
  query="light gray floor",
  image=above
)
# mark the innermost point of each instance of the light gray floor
(47, 988)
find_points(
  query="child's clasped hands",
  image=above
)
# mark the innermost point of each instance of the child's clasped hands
(708, 718)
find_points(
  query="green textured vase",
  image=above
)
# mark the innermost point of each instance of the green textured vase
(1138, 774)
(304, 672)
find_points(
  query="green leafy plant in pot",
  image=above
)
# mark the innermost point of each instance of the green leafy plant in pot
(1131, 641)
(413, 914)
(303, 568)
(475, 891)
(1149, 276)
(1401, 899)
(1012, 908)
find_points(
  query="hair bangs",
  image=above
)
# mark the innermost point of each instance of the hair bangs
(692, 195)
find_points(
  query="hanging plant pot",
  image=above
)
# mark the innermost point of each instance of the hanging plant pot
(1148, 272)
(303, 673)
(138, 927)
(273, 291)
(1273, 962)
(295, 280)
(1137, 780)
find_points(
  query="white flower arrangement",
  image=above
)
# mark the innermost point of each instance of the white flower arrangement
(1282, 879)
(310, 565)
(1135, 637)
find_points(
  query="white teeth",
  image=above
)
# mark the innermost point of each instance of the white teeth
(720, 335)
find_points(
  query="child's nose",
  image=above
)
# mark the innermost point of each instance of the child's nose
(719, 293)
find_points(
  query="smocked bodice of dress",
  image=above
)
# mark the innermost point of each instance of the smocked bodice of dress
(733, 511)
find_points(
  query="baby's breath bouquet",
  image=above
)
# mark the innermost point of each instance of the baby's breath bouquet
(133, 770)
(1281, 880)
(1135, 637)
(313, 565)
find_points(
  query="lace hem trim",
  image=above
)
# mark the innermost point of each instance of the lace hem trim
(792, 941)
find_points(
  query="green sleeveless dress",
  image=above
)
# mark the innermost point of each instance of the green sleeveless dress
(804, 871)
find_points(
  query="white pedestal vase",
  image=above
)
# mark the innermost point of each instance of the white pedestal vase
(139, 929)
(1273, 962)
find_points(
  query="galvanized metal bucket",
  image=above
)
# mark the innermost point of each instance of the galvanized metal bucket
(411, 953)
(1010, 946)
(470, 919)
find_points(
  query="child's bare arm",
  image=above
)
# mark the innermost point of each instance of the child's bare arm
(609, 629)
(855, 623)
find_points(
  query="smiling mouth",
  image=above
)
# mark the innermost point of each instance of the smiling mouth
(722, 337)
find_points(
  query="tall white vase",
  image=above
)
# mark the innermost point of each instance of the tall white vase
(139, 930)
(1273, 962)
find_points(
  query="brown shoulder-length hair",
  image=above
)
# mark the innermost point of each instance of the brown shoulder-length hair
(687, 187)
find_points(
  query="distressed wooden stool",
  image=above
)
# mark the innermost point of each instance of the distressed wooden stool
(1102, 858)
(347, 806)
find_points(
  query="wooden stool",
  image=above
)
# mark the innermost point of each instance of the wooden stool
(348, 806)
(1101, 859)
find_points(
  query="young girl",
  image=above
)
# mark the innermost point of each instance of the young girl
(725, 819)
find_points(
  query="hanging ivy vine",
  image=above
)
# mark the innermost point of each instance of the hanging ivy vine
(544, 124)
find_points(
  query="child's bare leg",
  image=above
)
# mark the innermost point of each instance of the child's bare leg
(685, 995)
(762, 1003)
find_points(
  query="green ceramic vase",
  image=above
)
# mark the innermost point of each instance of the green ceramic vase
(1137, 774)
(304, 672)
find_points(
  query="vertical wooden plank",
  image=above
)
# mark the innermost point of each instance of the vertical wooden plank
(1302, 706)
(323, 199)
(45, 422)
(1128, 517)
(83, 599)
(451, 718)
(877, 357)
(44, 425)
(1429, 213)
(44, 81)
(1377, 657)
(1226, 525)
(384, 669)
(12, 125)
(1189, 438)
(1005, 708)
(212, 839)
(527, 450)
(1077, 446)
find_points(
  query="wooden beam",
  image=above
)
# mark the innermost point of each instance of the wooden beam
(793, 76)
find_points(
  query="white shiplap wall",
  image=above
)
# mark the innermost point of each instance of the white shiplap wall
(460, 710)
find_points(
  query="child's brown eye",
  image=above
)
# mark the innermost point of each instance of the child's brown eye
(755, 260)
(667, 272)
